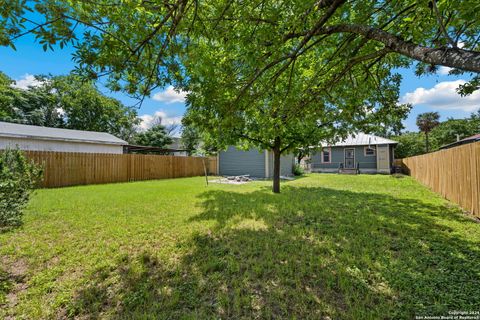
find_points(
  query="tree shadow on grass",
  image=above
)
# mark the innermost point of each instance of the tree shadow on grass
(306, 253)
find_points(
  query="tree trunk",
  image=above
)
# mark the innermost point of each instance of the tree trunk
(276, 166)
(300, 156)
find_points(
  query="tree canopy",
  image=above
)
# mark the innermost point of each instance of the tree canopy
(156, 136)
(140, 41)
(426, 122)
(452, 129)
(34, 105)
(66, 102)
(275, 75)
(446, 132)
(191, 138)
(409, 144)
(284, 114)
(84, 107)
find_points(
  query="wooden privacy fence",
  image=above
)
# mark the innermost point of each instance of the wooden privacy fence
(454, 173)
(67, 169)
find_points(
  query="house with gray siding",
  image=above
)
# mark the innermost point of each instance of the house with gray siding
(358, 153)
(253, 162)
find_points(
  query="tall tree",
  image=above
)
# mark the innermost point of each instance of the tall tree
(451, 130)
(275, 60)
(84, 107)
(156, 136)
(34, 105)
(409, 144)
(426, 122)
(429, 31)
(475, 120)
(6, 96)
(190, 137)
(67, 102)
(412, 143)
(391, 123)
(291, 112)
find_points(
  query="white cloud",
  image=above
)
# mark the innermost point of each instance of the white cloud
(443, 96)
(170, 95)
(27, 81)
(149, 119)
(444, 70)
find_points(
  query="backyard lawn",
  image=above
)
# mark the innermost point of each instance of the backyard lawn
(328, 246)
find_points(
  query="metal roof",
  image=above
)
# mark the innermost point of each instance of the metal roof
(176, 143)
(359, 139)
(466, 140)
(15, 130)
(133, 148)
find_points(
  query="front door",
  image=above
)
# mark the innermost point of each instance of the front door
(350, 158)
(383, 159)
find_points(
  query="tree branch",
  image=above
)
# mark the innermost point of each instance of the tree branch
(37, 26)
(442, 26)
(450, 57)
(244, 136)
(288, 146)
(352, 62)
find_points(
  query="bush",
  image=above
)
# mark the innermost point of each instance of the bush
(18, 177)
(298, 170)
(409, 144)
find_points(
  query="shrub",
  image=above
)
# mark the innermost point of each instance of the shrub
(18, 177)
(298, 170)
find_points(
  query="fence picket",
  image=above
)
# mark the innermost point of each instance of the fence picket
(454, 173)
(67, 169)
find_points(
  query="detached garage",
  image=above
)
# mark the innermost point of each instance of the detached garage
(35, 138)
(253, 162)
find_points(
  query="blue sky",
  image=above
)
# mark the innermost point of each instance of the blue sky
(426, 93)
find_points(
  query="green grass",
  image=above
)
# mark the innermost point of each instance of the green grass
(344, 247)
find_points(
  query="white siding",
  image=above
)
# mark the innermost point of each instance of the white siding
(60, 146)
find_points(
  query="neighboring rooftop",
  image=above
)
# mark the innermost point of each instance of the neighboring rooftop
(16, 130)
(360, 139)
(176, 143)
(466, 140)
(149, 149)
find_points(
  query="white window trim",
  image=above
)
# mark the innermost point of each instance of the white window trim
(329, 155)
(370, 147)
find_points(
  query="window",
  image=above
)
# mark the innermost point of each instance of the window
(370, 151)
(326, 154)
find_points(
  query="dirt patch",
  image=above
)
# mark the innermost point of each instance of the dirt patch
(16, 268)
(12, 281)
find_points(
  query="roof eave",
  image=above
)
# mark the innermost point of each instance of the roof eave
(459, 143)
(8, 135)
(358, 144)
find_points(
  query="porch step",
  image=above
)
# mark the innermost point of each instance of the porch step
(347, 171)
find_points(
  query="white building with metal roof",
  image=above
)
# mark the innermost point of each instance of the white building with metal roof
(36, 138)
